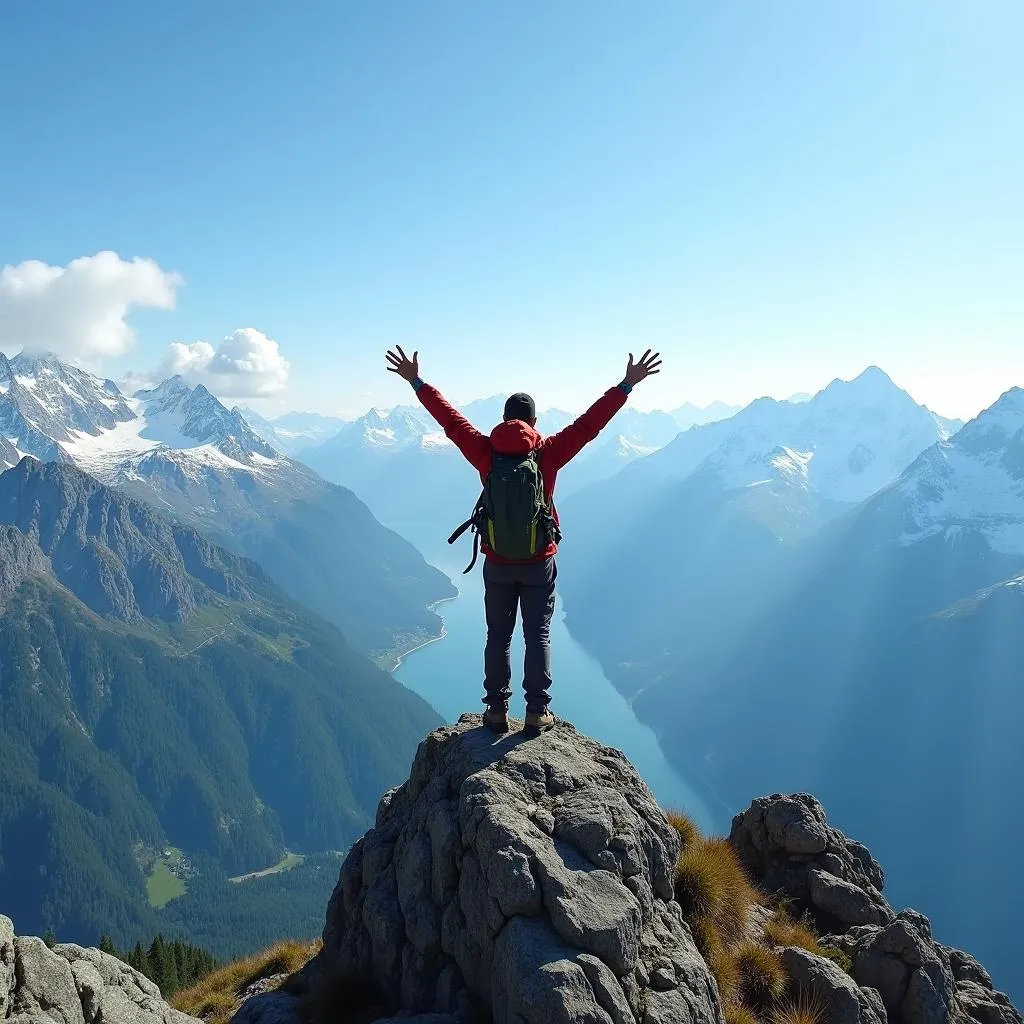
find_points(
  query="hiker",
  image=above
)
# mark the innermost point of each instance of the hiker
(517, 525)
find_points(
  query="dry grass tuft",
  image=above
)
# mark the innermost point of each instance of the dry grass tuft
(737, 1013)
(782, 930)
(801, 1009)
(717, 899)
(215, 998)
(685, 827)
(762, 978)
(711, 883)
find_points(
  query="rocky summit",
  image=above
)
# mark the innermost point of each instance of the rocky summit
(72, 985)
(518, 880)
(530, 880)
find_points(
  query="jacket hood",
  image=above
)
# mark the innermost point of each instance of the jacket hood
(514, 437)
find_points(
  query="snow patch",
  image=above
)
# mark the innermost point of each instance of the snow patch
(953, 488)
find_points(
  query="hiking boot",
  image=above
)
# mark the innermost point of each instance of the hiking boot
(538, 721)
(496, 718)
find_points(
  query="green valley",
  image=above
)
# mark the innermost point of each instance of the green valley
(158, 693)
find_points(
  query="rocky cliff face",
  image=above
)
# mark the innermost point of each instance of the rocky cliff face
(72, 985)
(19, 559)
(119, 557)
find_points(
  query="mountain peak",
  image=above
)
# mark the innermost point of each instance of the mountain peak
(1005, 415)
(35, 359)
(871, 384)
(172, 387)
(49, 402)
(873, 373)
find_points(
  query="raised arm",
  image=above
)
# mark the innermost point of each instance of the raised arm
(476, 447)
(568, 442)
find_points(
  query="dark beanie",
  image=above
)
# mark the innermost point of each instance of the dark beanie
(520, 407)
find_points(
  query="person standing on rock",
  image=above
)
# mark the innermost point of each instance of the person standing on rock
(516, 523)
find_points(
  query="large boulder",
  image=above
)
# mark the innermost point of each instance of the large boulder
(841, 999)
(787, 845)
(920, 980)
(788, 848)
(527, 878)
(72, 985)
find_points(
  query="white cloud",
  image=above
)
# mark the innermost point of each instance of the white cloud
(79, 311)
(246, 364)
(131, 382)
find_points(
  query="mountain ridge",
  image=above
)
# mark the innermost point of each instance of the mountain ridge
(155, 691)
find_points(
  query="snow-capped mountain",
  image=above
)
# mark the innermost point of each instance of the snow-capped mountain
(173, 424)
(895, 628)
(721, 501)
(858, 436)
(44, 402)
(180, 449)
(293, 431)
(384, 431)
(974, 482)
(54, 411)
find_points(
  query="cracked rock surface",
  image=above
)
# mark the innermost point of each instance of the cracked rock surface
(904, 974)
(527, 878)
(72, 985)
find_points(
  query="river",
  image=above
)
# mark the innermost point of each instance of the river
(448, 674)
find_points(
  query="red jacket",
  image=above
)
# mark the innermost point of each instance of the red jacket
(514, 437)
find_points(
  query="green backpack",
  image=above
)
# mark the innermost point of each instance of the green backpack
(511, 513)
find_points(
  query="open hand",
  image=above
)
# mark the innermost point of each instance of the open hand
(636, 372)
(400, 363)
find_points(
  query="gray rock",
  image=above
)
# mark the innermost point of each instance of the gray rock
(90, 988)
(270, 1008)
(530, 875)
(984, 1005)
(44, 985)
(844, 901)
(915, 978)
(6, 965)
(262, 986)
(843, 1001)
(966, 968)
(786, 845)
(874, 998)
(788, 848)
(796, 827)
(111, 992)
(73, 985)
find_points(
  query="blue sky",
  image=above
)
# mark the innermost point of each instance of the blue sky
(773, 194)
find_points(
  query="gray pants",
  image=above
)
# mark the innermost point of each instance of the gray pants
(530, 586)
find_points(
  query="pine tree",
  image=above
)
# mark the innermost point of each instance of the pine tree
(156, 961)
(107, 946)
(50, 938)
(165, 969)
(140, 961)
